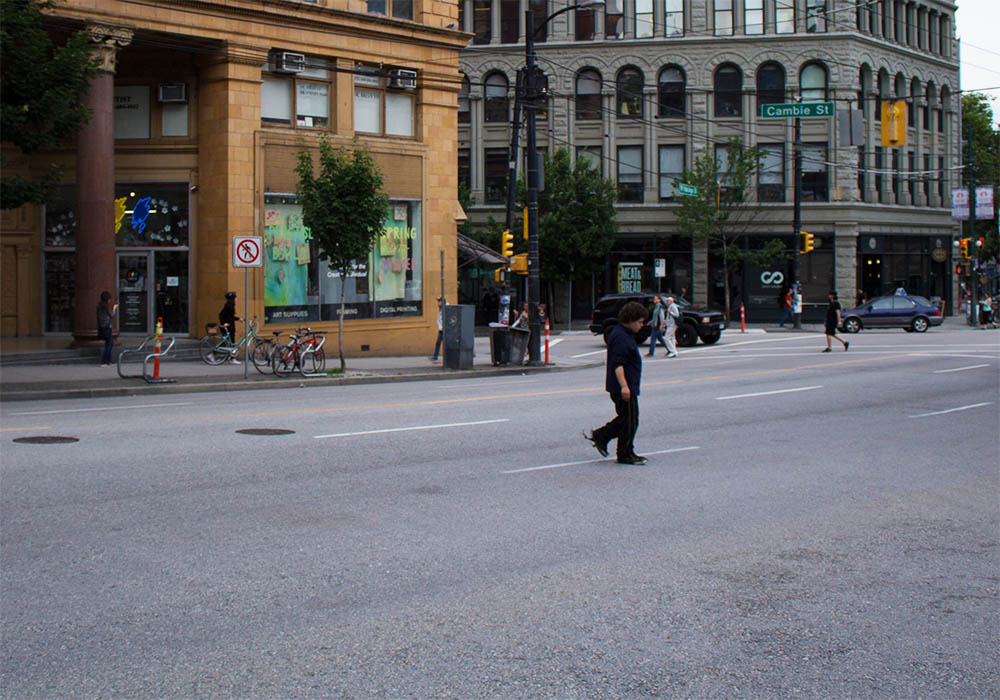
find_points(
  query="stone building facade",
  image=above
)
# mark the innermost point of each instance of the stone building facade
(642, 87)
(199, 112)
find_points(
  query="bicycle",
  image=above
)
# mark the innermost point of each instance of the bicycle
(216, 349)
(303, 352)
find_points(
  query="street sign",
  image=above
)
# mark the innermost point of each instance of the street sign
(247, 251)
(687, 189)
(797, 109)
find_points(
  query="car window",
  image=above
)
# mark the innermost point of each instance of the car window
(921, 301)
(902, 304)
(882, 304)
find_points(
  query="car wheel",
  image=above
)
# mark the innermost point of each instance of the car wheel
(920, 324)
(686, 336)
(710, 338)
(852, 325)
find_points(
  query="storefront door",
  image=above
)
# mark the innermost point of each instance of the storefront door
(133, 293)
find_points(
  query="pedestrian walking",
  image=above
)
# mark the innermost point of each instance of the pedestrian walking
(833, 322)
(105, 312)
(228, 319)
(786, 308)
(623, 375)
(657, 326)
(797, 304)
(859, 299)
(673, 315)
(440, 336)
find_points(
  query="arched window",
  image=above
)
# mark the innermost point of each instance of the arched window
(770, 85)
(588, 95)
(463, 101)
(728, 91)
(628, 93)
(496, 102)
(812, 83)
(671, 92)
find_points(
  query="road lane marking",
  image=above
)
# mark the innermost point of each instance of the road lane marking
(958, 369)
(28, 427)
(105, 408)
(413, 427)
(592, 461)
(952, 410)
(768, 393)
(588, 354)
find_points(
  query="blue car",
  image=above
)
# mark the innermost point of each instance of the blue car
(911, 313)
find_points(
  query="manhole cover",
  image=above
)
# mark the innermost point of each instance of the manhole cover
(265, 431)
(46, 440)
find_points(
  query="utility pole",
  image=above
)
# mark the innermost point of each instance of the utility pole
(974, 255)
(515, 130)
(797, 216)
(534, 288)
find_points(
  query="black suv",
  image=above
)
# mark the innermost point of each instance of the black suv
(693, 324)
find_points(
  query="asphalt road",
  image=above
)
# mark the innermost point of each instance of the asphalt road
(809, 525)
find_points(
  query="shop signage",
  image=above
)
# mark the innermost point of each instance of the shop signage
(660, 267)
(939, 255)
(629, 278)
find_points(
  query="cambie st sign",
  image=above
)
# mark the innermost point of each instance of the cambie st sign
(797, 109)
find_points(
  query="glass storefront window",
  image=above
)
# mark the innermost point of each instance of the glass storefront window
(151, 214)
(60, 291)
(300, 287)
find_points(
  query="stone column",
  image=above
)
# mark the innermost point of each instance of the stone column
(845, 244)
(95, 187)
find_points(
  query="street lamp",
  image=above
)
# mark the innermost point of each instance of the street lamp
(534, 290)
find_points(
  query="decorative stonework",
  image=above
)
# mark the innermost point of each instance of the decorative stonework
(109, 39)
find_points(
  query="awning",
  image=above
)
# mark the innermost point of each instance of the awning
(472, 251)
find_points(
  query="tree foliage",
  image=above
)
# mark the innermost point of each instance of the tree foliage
(722, 213)
(982, 161)
(344, 209)
(40, 105)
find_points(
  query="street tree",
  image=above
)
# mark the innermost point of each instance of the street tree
(982, 161)
(344, 210)
(724, 212)
(40, 94)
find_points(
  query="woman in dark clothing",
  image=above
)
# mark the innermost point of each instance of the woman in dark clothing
(228, 317)
(105, 312)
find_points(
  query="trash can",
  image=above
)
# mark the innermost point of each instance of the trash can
(518, 344)
(499, 344)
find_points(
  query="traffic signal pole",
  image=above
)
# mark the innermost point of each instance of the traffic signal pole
(973, 258)
(797, 215)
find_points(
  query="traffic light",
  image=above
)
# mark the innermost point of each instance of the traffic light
(498, 275)
(894, 123)
(507, 244)
(963, 247)
(807, 243)
(526, 223)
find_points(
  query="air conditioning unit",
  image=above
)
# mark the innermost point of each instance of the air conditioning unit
(403, 79)
(172, 92)
(291, 62)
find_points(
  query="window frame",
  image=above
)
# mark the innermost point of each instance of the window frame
(812, 189)
(496, 169)
(628, 104)
(595, 154)
(630, 190)
(584, 110)
(494, 104)
(721, 10)
(670, 12)
(784, 14)
(310, 76)
(664, 96)
(768, 191)
(770, 95)
(370, 79)
(673, 175)
(816, 14)
(753, 17)
(389, 8)
(733, 95)
(809, 68)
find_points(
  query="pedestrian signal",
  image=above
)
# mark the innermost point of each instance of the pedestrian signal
(807, 242)
(894, 123)
(958, 270)
(498, 275)
(519, 264)
(507, 244)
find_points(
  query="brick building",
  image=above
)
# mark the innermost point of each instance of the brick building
(641, 87)
(198, 112)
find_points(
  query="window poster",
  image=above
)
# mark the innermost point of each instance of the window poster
(300, 286)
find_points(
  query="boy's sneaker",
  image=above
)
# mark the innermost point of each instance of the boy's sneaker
(632, 459)
(599, 446)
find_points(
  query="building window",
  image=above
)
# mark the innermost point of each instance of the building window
(671, 93)
(539, 13)
(770, 85)
(464, 111)
(628, 93)
(886, 28)
(723, 17)
(380, 107)
(812, 83)
(276, 101)
(861, 171)
(496, 167)
(911, 179)
(671, 169)
(926, 177)
(930, 97)
(400, 9)
(643, 19)
(728, 91)
(585, 23)
(630, 183)
(753, 16)
(784, 16)
(508, 21)
(614, 20)
(942, 178)
(895, 174)
(304, 95)
(879, 165)
(674, 17)
(464, 169)
(481, 21)
(815, 187)
(588, 95)
(496, 103)
(591, 156)
(816, 16)
(131, 112)
(771, 174)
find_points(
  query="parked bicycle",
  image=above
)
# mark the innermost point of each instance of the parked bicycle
(303, 353)
(217, 348)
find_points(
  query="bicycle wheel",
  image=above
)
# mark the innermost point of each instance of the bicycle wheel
(315, 362)
(213, 350)
(283, 361)
(261, 356)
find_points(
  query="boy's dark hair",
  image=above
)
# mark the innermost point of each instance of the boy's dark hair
(632, 311)
(834, 295)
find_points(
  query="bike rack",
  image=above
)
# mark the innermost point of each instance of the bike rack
(311, 350)
(156, 355)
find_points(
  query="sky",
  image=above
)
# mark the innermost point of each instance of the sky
(977, 22)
